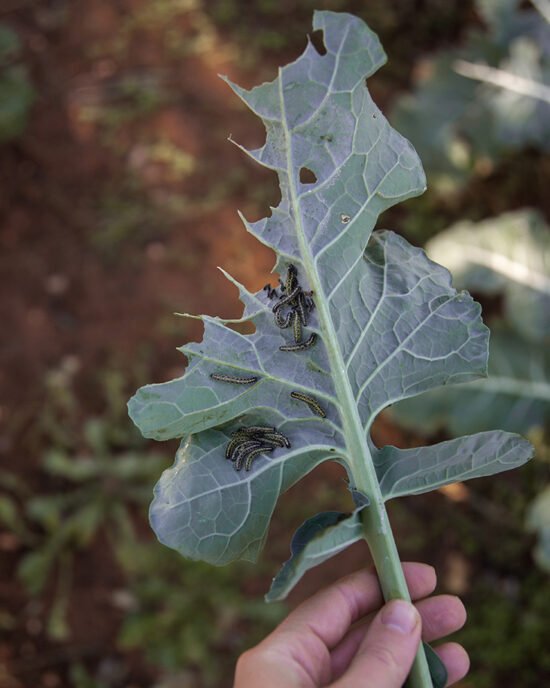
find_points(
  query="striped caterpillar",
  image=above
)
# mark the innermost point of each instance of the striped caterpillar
(234, 380)
(310, 401)
(300, 346)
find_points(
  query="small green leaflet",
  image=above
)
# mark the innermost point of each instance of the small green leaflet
(315, 541)
(438, 670)
(387, 321)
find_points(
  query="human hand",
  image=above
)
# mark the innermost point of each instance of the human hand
(338, 639)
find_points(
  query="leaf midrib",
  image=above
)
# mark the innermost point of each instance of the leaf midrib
(360, 461)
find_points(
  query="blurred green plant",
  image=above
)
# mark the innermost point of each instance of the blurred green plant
(189, 614)
(474, 104)
(81, 678)
(507, 256)
(127, 215)
(167, 19)
(538, 513)
(507, 633)
(16, 91)
(123, 100)
(94, 475)
(96, 489)
(96, 480)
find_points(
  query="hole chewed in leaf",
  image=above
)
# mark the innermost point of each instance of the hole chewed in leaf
(307, 176)
(318, 42)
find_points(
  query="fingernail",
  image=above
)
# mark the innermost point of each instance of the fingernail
(401, 616)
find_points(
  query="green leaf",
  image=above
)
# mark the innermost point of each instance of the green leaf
(388, 324)
(400, 472)
(508, 254)
(458, 124)
(438, 671)
(413, 471)
(315, 541)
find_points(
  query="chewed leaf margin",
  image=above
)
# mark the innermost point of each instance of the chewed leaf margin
(387, 325)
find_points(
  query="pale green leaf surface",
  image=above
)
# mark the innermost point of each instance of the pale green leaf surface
(400, 472)
(389, 324)
(413, 471)
(209, 511)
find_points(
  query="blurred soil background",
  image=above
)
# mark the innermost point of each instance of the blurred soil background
(118, 199)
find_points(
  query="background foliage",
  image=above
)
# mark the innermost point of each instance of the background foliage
(118, 198)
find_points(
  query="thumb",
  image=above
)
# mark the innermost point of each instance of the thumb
(387, 652)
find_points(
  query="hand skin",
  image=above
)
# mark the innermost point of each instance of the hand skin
(340, 638)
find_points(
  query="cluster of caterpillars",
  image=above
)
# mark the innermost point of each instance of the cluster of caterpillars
(292, 309)
(247, 443)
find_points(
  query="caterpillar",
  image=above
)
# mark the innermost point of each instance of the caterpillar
(287, 299)
(297, 327)
(253, 429)
(234, 442)
(244, 448)
(300, 346)
(234, 380)
(305, 306)
(250, 458)
(277, 438)
(283, 321)
(310, 401)
(291, 279)
(302, 311)
(271, 292)
(241, 436)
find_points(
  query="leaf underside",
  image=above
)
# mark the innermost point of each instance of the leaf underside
(388, 323)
